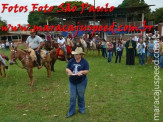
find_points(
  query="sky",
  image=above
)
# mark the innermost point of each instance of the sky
(21, 17)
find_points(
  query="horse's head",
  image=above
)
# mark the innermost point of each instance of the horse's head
(55, 44)
(13, 56)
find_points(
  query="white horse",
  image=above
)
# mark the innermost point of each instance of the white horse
(70, 42)
(84, 44)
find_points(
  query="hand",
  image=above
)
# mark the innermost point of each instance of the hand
(37, 50)
(69, 73)
(79, 73)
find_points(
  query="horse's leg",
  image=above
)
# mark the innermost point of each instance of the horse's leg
(98, 52)
(4, 72)
(48, 69)
(87, 51)
(30, 74)
(52, 65)
(0, 69)
(47, 66)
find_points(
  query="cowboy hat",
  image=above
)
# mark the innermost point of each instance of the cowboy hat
(78, 50)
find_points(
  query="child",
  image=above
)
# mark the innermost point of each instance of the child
(119, 49)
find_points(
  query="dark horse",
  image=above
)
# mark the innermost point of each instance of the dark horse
(54, 57)
(27, 62)
(50, 45)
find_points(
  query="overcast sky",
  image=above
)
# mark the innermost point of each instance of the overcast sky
(21, 18)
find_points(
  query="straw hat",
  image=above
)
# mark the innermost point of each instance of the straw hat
(78, 50)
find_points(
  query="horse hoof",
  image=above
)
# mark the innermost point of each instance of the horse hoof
(31, 84)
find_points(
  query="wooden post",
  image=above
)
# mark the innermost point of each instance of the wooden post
(143, 33)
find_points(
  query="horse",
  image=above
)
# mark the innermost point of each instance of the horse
(2, 68)
(48, 45)
(84, 44)
(28, 64)
(54, 56)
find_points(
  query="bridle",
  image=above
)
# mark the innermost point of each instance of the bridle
(15, 57)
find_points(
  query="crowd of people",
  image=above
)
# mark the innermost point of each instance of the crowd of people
(142, 47)
(6, 45)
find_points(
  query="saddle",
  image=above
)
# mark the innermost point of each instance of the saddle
(61, 52)
(33, 56)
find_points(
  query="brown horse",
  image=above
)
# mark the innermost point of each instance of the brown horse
(27, 62)
(50, 45)
(2, 68)
(54, 56)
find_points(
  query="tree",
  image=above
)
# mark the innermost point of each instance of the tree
(36, 18)
(39, 19)
(157, 15)
(130, 3)
(137, 3)
(2, 23)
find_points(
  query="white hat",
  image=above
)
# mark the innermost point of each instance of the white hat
(78, 50)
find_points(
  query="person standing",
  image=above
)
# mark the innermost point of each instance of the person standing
(119, 49)
(161, 55)
(114, 47)
(7, 45)
(77, 70)
(36, 43)
(103, 48)
(130, 52)
(150, 53)
(141, 51)
(109, 51)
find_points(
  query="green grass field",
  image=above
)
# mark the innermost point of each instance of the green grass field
(115, 93)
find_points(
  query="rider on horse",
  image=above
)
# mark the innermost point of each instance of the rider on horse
(48, 38)
(36, 43)
(62, 44)
(3, 61)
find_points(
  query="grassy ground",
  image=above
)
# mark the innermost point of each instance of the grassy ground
(115, 92)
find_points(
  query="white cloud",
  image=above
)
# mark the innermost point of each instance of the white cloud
(21, 18)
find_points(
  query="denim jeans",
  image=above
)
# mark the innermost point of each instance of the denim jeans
(161, 61)
(77, 91)
(119, 55)
(141, 58)
(103, 50)
(109, 56)
(38, 57)
(2, 60)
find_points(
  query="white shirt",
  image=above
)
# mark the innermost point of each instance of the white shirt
(61, 41)
(143, 48)
(2, 46)
(34, 42)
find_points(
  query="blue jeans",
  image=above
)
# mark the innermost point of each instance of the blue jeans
(141, 58)
(104, 52)
(109, 56)
(77, 90)
(161, 61)
(2, 60)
